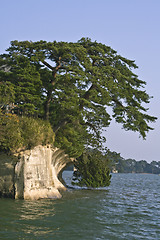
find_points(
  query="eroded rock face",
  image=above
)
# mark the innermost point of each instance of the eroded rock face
(36, 173)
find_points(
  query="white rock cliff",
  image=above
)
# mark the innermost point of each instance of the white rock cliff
(36, 173)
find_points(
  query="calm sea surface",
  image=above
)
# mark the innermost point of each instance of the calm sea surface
(128, 209)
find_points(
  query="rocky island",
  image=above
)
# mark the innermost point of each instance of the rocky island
(57, 96)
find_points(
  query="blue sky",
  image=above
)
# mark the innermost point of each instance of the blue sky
(129, 26)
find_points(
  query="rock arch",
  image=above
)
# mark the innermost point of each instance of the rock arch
(36, 172)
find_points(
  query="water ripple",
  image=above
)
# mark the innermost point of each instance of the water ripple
(128, 209)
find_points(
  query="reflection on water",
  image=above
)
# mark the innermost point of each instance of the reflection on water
(37, 218)
(30, 210)
(27, 219)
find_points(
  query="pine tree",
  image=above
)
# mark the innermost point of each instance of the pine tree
(73, 85)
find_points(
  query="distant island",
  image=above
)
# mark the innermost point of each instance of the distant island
(121, 165)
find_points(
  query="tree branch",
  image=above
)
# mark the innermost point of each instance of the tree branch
(61, 124)
(118, 102)
(87, 95)
(93, 127)
(53, 81)
(47, 65)
(54, 69)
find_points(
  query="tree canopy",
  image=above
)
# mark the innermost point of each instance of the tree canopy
(72, 85)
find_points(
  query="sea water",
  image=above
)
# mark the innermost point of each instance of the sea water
(128, 209)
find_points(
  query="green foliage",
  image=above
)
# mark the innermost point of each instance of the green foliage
(10, 133)
(35, 132)
(7, 94)
(92, 170)
(74, 86)
(65, 82)
(23, 132)
(21, 85)
(71, 139)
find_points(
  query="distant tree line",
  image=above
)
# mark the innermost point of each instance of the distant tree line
(122, 165)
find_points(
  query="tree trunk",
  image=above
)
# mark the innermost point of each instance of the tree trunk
(47, 105)
(49, 93)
